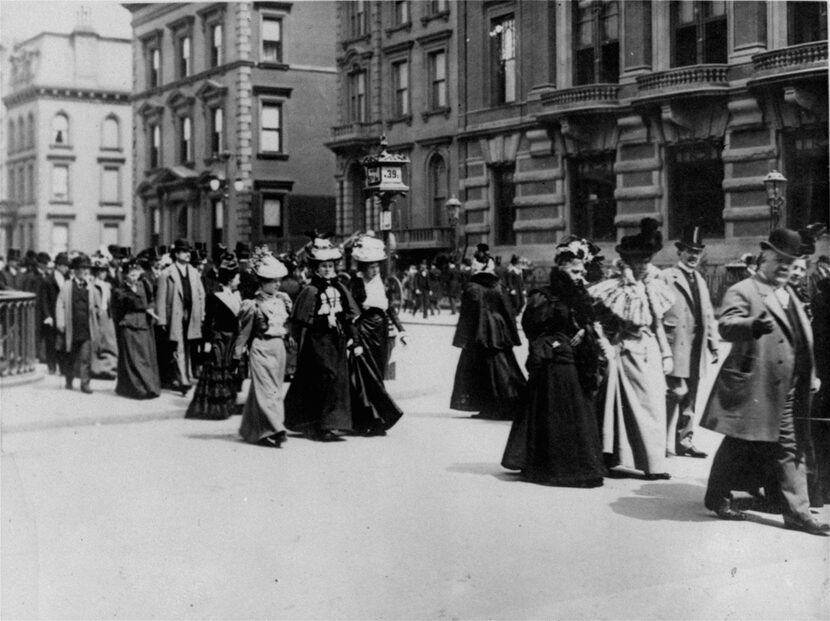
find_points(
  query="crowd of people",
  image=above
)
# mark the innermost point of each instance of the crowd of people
(169, 318)
(617, 361)
(624, 360)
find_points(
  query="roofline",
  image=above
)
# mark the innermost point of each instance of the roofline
(65, 35)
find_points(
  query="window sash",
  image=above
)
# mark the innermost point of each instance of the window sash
(217, 139)
(400, 73)
(185, 140)
(271, 213)
(216, 47)
(60, 182)
(272, 39)
(504, 58)
(401, 12)
(270, 136)
(184, 56)
(155, 147)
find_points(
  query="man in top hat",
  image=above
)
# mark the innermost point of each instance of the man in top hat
(692, 333)
(75, 320)
(515, 285)
(11, 276)
(769, 371)
(180, 306)
(248, 283)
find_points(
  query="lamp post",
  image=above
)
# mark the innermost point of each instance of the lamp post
(453, 206)
(218, 217)
(775, 183)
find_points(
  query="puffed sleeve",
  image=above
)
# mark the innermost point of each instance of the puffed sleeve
(247, 316)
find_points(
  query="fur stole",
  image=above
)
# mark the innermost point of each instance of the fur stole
(633, 301)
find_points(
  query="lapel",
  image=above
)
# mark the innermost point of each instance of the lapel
(682, 283)
(177, 281)
(806, 327)
(230, 299)
(773, 305)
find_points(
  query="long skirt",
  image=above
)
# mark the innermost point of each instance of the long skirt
(319, 397)
(488, 381)
(555, 439)
(105, 351)
(264, 413)
(634, 416)
(373, 330)
(138, 372)
(215, 394)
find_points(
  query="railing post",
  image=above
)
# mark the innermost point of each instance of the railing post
(18, 336)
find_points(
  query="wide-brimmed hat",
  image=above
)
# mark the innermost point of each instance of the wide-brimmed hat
(43, 258)
(646, 243)
(270, 267)
(100, 263)
(181, 245)
(61, 259)
(227, 262)
(321, 249)
(482, 260)
(691, 239)
(243, 251)
(368, 249)
(785, 242)
(79, 262)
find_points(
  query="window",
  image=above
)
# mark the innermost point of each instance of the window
(59, 238)
(400, 82)
(806, 22)
(270, 133)
(12, 136)
(699, 32)
(12, 181)
(110, 234)
(438, 188)
(504, 192)
(401, 12)
(438, 6)
(593, 207)
(271, 216)
(183, 56)
(597, 44)
(356, 18)
(23, 191)
(808, 195)
(185, 139)
(109, 133)
(696, 189)
(30, 173)
(60, 129)
(437, 63)
(216, 47)
(217, 131)
(357, 96)
(155, 146)
(30, 135)
(110, 185)
(21, 133)
(503, 59)
(155, 233)
(272, 39)
(218, 219)
(152, 58)
(60, 182)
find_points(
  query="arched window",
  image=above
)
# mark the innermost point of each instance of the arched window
(21, 133)
(12, 136)
(438, 188)
(110, 138)
(30, 138)
(60, 129)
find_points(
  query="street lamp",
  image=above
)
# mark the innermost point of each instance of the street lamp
(775, 183)
(453, 206)
(219, 209)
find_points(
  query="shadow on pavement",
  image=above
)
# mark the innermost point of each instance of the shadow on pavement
(486, 468)
(677, 502)
(227, 437)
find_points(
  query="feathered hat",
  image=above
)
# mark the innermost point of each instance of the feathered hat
(368, 249)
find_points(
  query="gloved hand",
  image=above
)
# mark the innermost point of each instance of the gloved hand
(762, 324)
(668, 365)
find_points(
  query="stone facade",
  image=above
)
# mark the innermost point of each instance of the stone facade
(67, 157)
(268, 68)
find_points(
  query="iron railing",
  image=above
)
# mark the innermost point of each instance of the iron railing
(18, 346)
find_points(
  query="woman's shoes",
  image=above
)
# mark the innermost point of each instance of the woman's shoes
(274, 441)
(657, 476)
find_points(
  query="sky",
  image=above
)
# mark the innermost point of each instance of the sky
(22, 19)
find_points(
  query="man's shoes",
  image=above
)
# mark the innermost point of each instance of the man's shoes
(810, 525)
(657, 476)
(329, 436)
(68, 384)
(725, 511)
(690, 451)
(86, 389)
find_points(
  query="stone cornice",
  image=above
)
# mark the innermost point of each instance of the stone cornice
(175, 84)
(66, 93)
(434, 37)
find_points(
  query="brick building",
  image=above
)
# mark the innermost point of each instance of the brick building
(240, 93)
(587, 116)
(67, 158)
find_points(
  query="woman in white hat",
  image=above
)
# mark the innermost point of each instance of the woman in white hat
(262, 330)
(318, 402)
(374, 410)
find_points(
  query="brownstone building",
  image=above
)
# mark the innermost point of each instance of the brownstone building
(586, 116)
(232, 102)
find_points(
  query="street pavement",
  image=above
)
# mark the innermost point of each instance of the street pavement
(113, 508)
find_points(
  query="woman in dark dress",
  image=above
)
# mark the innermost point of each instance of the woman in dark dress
(555, 440)
(215, 395)
(318, 402)
(138, 373)
(488, 380)
(373, 410)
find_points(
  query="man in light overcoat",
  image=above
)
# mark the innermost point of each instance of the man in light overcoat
(180, 306)
(768, 372)
(691, 331)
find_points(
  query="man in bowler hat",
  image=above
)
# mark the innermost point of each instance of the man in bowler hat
(692, 333)
(769, 371)
(180, 306)
(75, 322)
